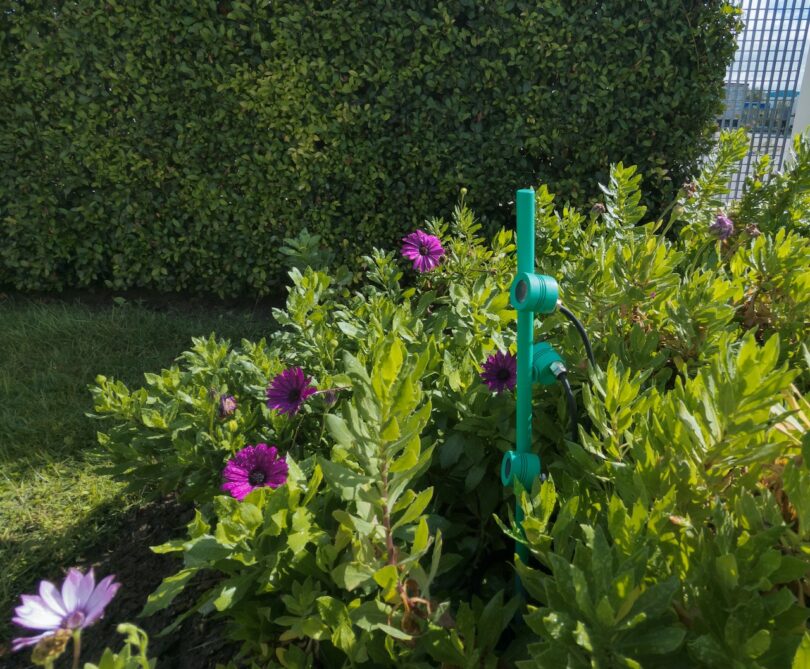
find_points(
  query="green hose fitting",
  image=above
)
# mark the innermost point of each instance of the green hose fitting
(537, 293)
(546, 364)
(523, 467)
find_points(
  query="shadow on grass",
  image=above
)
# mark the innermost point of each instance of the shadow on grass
(123, 549)
(56, 511)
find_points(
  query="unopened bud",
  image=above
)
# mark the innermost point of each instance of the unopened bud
(50, 648)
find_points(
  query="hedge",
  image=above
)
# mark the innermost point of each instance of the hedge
(175, 145)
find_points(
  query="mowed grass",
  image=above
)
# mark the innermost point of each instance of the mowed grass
(56, 510)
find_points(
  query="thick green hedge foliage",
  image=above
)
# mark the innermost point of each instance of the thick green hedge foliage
(173, 145)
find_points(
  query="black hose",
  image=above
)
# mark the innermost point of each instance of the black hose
(581, 329)
(562, 377)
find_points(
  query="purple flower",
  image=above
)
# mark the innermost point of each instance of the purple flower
(330, 397)
(500, 372)
(254, 467)
(80, 603)
(289, 390)
(723, 227)
(227, 405)
(424, 250)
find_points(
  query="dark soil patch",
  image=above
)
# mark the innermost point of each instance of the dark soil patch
(194, 645)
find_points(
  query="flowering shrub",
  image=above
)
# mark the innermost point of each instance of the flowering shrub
(674, 530)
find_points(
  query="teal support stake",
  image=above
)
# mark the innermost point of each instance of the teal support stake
(525, 336)
(531, 293)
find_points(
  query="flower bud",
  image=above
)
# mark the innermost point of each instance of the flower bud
(50, 648)
(723, 227)
(227, 405)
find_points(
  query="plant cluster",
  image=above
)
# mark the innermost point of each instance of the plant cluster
(175, 145)
(672, 532)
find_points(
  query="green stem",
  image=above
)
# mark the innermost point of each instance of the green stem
(699, 253)
(295, 437)
(77, 647)
(323, 427)
(666, 211)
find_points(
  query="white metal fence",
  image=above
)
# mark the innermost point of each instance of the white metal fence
(764, 81)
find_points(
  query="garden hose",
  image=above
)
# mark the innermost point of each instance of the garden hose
(562, 377)
(581, 329)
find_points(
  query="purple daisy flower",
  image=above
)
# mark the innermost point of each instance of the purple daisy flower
(79, 604)
(723, 227)
(289, 390)
(254, 467)
(227, 405)
(500, 372)
(423, 249)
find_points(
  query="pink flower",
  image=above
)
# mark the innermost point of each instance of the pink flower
(423, 249)
(79, 604)
(289, 390)
(254, 467)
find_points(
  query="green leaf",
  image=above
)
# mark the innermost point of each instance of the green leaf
(801, 660)
(169, 588)
(339, 430)
(343, 480)
(392, 362)
(415, 509)
(727, 572)
(387, 578)
(351, 575)
(756, 645)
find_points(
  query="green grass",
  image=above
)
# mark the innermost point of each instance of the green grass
(55, 509)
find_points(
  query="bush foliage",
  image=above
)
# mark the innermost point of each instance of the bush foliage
(674, 532)
(175, 145)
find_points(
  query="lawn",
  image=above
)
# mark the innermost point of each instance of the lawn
(56, 509)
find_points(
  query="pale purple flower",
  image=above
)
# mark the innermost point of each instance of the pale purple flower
(500, 372)
(723, 227)
(79, 604)
(254, 467)
(423, 249)
(289, 390)
(227, 405)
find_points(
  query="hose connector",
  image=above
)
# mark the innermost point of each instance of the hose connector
(545, 360)
(523, 467)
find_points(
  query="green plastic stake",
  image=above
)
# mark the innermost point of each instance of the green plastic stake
(531, 293)
(525, 336)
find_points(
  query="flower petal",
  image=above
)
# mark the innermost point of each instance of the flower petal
(51, 596)
(23, 641)
(85, 589)
(70, 589)
(98, 600)
(237, 490)
(35, 614)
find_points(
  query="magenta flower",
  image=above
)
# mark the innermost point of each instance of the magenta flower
(289, 390)
(80, 603)
(723, 227)
(424, 250)
(500, 372)
(227, 405)
(254, 467)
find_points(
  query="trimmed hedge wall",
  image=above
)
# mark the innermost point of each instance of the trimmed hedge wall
(173, 145)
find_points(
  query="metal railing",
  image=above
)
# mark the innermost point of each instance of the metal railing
(763, 82)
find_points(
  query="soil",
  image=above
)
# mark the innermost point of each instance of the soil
(194, 645)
